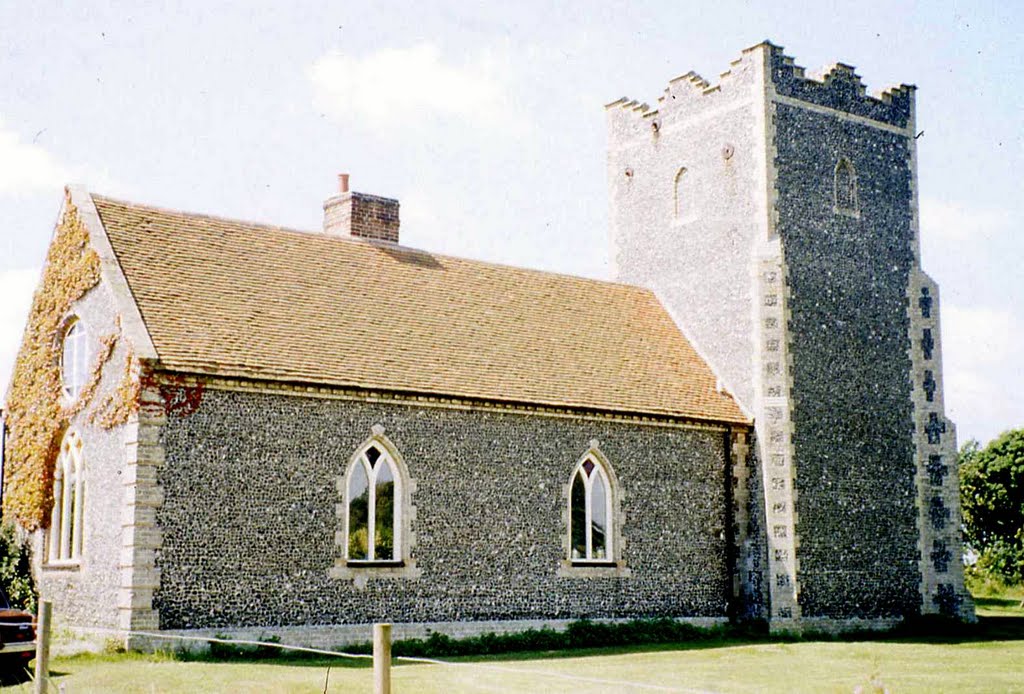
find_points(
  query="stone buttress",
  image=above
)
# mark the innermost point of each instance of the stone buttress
(775, 215)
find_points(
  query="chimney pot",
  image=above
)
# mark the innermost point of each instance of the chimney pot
(343, 182)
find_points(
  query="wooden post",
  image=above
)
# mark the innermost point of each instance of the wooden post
(43, 647)
(381, 659)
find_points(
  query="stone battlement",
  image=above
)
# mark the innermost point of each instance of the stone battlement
(838, 87)
(690, 91)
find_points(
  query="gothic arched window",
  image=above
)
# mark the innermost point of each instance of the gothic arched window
(845, 188)
(680, 197)
(74, 360)
(65, 540)
(590, 513)
(373, 507)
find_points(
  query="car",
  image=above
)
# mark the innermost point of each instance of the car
(17, 636)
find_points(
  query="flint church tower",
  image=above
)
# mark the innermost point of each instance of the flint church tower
(776, 216)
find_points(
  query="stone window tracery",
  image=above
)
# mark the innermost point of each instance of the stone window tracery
(65, 536)
(375, 536)
(74, 363)
(590, 513)
(373, 507)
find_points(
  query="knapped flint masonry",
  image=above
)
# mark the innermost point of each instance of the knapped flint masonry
(327, 429)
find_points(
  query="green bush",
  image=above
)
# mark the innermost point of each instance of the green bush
(984, 583)
(16, 569)
(579, 634)
(992, 500)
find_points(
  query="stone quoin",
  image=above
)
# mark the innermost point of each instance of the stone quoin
(301, 433)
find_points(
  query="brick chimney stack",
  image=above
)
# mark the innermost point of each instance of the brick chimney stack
(359, 215)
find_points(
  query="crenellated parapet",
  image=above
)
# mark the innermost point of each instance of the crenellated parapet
(840, 88)
(687, 96)
(775, 214)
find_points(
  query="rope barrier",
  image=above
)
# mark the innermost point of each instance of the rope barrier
(408, 659)
(215, 639)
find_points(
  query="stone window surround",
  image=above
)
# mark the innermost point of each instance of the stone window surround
(75, 334)
(683, 211)
(64, 538)
(853, 209)
(361, 571)
(595, 476)
(616, 565)
(372, 470)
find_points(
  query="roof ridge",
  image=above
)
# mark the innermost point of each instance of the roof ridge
(201, 215)
(370, 242)
(376, 314)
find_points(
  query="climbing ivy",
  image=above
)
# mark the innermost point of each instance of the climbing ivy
(123, 401)
(106, 348)
(36, 413)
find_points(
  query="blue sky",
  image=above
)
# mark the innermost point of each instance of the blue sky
(487, 123)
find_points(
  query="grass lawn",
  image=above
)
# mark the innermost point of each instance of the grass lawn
(988, 659)
(1000, 607)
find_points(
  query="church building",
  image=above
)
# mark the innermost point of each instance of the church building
(220, 426)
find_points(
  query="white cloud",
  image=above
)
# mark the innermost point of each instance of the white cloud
(983, 369)
(947, 221)
(984, 336)
(27, 167)
(396, 89)
(16, 287)
(432, 220)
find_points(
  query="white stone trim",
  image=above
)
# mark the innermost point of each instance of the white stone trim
(949, 490)
(946, 448)
(132, 325)
(844, 115)
(405, 540)
(772, 375)
(64, 539)
(615, 565)
(739, 449)
(141, 535)
(775, 437)
(75, 332)
(325, 392)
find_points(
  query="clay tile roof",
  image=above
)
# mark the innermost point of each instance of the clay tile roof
(232, 298)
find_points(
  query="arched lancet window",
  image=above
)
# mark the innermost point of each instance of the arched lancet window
(680, 194)
(590, 513)
(845, 187)
(373, 504)
(66, 519)
(74, 362)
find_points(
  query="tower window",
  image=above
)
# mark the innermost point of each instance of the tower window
(846, 188)
(681, 200)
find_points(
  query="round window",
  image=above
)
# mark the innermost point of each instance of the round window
(74, 361)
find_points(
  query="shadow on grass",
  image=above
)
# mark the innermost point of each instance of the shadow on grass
(927, 630)
(600, 640)
(1001, 606)
(20, 675)
(940, 630)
